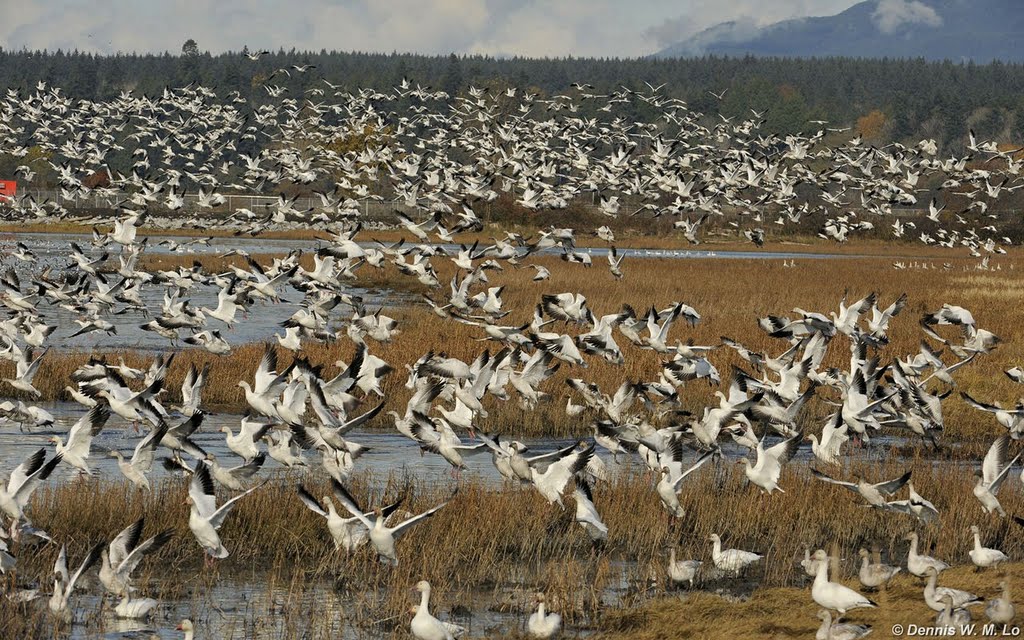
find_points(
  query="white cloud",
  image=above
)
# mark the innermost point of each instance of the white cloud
(890, 15)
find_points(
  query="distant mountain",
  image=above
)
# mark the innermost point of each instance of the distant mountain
(958, 30)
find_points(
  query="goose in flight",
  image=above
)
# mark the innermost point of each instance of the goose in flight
(26, 369)
(382, 536)
(205, 518)
(874, 494)
(348, 533)
(586, 513)
(120, 558)
(668, 487)
(23, 481)
(766, 471)
(76, 451)
(267, 384)
(64, 584)
(993, 472)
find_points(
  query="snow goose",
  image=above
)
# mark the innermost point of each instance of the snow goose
(437, 436)
(768, 468)
(267, 385)
(833, 437)
(552, 481)
(120, 558)
(176, 438)
(1001, 610)
(234, 478)
(189, 629)
(809, 564)
(141, 463)
(983, 557)
(425, 626)
(994, 470)
(25, 370)
(246, 443)
(135, 608)
(874, 575)
(382, 536)
(832, 631)
(76, 451)
(949, 616)
(586, 513)
(734, 560)
(543, 624)
(915, 505)
(934, 595)
(205, 518)
(874, 494)
(64, 584)
(668, 488)
(680, 571)
(918, 564)
(348, 533)
(832, 595)
(23, 481)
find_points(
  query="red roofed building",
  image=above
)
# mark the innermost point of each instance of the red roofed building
(8, 189)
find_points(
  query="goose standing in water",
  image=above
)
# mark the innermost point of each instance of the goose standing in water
(189, 629)
(832, 595)
(734, 560)
(135, 608)
(682, 571)
(543, 624)
(425, 626)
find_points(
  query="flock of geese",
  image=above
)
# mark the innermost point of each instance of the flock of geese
(443, 156)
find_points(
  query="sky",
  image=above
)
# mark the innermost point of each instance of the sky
(619, 28)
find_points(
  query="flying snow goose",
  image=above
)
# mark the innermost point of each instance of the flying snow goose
(120, 558)
(267, 385)
(246, 443)
(833, 437)
(552, 481)
(205, 518)
(874, 494)
(235, 478)
(586, 513)
(983, 557)
(766, 471)
(25, 370)
(668, 488)
(425, 626)
(382, 536)
(348, 533)
(64, 584)
(23, 481)
(734, 560)
(141, 463)
(76, 451)
(832, 595)
(994, 470)
(543, 624)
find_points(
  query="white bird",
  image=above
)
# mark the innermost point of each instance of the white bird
(918, 564)
(994, 470)
(382, 536)
(543, 624)
(424, 626)
(1001, 610)
(120, 558)
(64, 584)
(205, 518)
(76, 451)
(135, 608)
(586, 513)
(734, 560)
(141, 463)
(835, 631)
(832, 595)
(874, 575)
(984, 557)
(348, 533)
(23, 481)
(768, 468)
(933, 595)
(680, 571)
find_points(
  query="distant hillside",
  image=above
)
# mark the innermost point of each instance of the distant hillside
(958, 30)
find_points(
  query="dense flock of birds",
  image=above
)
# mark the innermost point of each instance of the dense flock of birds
(443, 156)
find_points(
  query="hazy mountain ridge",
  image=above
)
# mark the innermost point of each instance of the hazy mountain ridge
(958, 30)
